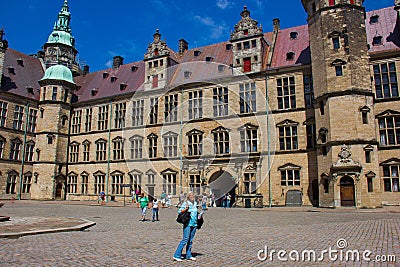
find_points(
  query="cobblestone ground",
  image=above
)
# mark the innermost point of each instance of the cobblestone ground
(230, 237)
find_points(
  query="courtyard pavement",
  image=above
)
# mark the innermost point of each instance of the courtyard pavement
(229, 237)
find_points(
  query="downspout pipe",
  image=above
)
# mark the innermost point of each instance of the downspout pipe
(23, 150)
(181, 142)
(268, 144)
(109, 150)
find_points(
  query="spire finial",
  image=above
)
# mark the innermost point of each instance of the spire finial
(245, 13)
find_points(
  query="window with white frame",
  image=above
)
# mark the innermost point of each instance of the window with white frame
(220, 101)
(152, 145)
(15, 149)
(18, 117)
(76, 121)
(195, 183)
(169, 183)
(195, 105)
(249, 183)
(117, 181)
(171, 108)
(32, 118)
(221, 141)
(29, 151)
(74, 152)
(136, 180)
(153, 117)
(86, 150)
(136, 147)
(290, 177)
(99, 179)
(288, 139)
(3, 113)
(389, 130)
(248, 138)
(102, 123)
(391, 178)
(248, 97)
(118, 148)
(195, 143)
(72, 183)
(137, 112)
(84, 183)
(150, 177)
(88, 120)
(120, 112)
(286, 92)
(26, 183)
(101, 146)
(170, 143)
(11, 185)
(2, 143)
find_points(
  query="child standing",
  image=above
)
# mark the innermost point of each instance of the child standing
(155, 210)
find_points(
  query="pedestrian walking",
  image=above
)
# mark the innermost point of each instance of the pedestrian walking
(144, 202)
(155, 210)
(189, 229)
(137, 193)
(133, 196)
(228, 200)
(163, 199)
(181, 199)
(204, 201)
(102, 198)
(169, 201)
(224, 201)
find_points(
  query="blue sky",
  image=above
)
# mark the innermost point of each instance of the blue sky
(104, 29)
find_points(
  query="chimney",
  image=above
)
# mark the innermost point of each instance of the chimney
(117, 62)
(397, 5)
(85, 70)
(183, 46)
(277, 25)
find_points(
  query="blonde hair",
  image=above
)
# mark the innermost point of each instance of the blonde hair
(188, 195)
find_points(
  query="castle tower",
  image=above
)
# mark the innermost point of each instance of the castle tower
(56, 89)
(248, 44)
(344, 102)
(60, 46)
(157, 60)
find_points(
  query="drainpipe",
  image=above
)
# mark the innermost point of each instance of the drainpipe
(180, 142)
(23, 151)
(68, 143)
(268, 144)
(109, 151)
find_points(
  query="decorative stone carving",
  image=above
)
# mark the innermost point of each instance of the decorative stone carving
(345, 160)
(157, 48)
(246, 26)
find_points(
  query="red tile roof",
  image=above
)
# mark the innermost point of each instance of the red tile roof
(105, 87)
(299, 46)
(387, 27)
(25, 74)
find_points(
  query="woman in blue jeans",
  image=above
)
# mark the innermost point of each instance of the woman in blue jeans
(189, 229)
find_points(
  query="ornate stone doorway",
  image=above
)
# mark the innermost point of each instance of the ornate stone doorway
(347, 196)
(220, 183)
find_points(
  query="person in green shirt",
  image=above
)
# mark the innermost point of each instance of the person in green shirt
(144, 202)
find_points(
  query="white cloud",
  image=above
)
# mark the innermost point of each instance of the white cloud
(217, 30)
(223, 4)
(109, 64)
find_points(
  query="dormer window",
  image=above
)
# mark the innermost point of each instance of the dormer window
(187, 74)
(11, 69)
(105, 75)
(374, 19)
(122, 86)
(290, 56)
(221, 68)
(336, 42)
(29, 89)
(377, 40)
(20, 62)
(134, 68)
(228, 47)
(196, 53)
(113, 79)
(94, 91)
(293, 35)
(209, 59)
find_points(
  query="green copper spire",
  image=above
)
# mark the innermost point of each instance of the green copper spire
(62, 30)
